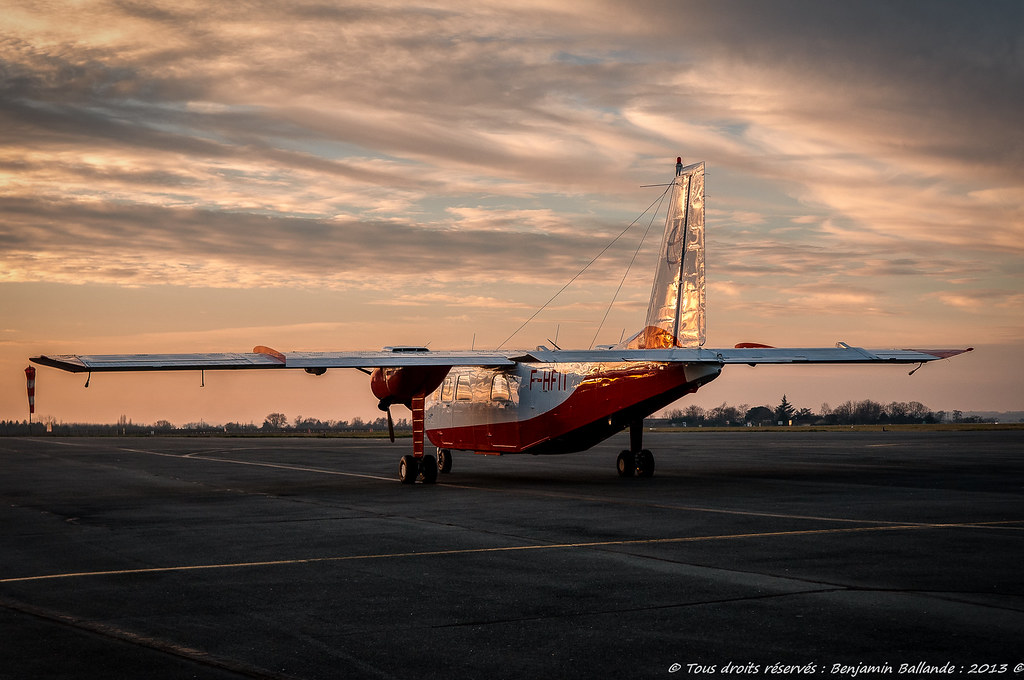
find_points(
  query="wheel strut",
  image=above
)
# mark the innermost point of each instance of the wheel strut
(412, 466)
(637, 460)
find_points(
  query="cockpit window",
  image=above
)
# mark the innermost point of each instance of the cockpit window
(446, 390)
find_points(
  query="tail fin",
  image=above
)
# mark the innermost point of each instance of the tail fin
(675, 316)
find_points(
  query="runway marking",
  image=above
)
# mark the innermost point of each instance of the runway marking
(197, 455)
(667, 506)
(505, 549)
(687, 508)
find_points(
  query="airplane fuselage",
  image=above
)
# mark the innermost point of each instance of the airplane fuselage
(551, 408)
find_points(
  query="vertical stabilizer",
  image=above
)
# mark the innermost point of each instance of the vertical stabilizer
(675, 316)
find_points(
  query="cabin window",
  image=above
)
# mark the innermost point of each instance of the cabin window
(446, 390)
(463, 389)
(500, 390)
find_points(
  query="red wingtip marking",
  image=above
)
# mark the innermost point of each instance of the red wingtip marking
(752, 345)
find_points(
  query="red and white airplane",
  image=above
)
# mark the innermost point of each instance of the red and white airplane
(544, 401)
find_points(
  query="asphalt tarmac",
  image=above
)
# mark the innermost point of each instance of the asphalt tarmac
(837, 553)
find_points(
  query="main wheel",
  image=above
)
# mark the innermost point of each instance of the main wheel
(408, 469)
(645, 463)
(428, 466)
(626, 464)
(444, 461)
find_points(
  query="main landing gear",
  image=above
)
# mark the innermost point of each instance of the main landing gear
(637, 460)
(411, 468)
(444, 461)
(640, 463)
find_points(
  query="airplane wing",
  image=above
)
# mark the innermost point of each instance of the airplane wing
(265, 358)
(395, 357)
(840, 354)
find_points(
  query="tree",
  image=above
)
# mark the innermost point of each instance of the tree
(760, 415)
(804, 415)
(867, 412)
(675, 417)
(784, 411)
(275, 421)
(694, 415)
(724, 415)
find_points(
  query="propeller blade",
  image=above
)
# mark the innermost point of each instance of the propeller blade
(391, 427)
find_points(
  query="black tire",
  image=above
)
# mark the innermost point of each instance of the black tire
(428, 466)
(626, 464)
(444, 461)
(408, 470)
(645, 464)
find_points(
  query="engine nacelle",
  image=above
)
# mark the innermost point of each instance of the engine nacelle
(400, 385)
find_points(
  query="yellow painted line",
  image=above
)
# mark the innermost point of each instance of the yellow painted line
(472, 551)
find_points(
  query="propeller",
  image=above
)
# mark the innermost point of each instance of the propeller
(385, 405)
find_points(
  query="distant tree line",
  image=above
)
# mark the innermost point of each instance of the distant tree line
(275, 423)
(278, 422)
(866, 412)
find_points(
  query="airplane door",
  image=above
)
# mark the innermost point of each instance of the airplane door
(502, 431)
(463, 410)
(439, 413)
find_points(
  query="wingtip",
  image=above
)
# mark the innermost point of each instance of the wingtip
(944, 353)
(68, 363)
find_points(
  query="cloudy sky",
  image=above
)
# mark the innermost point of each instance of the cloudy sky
(193, 176)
